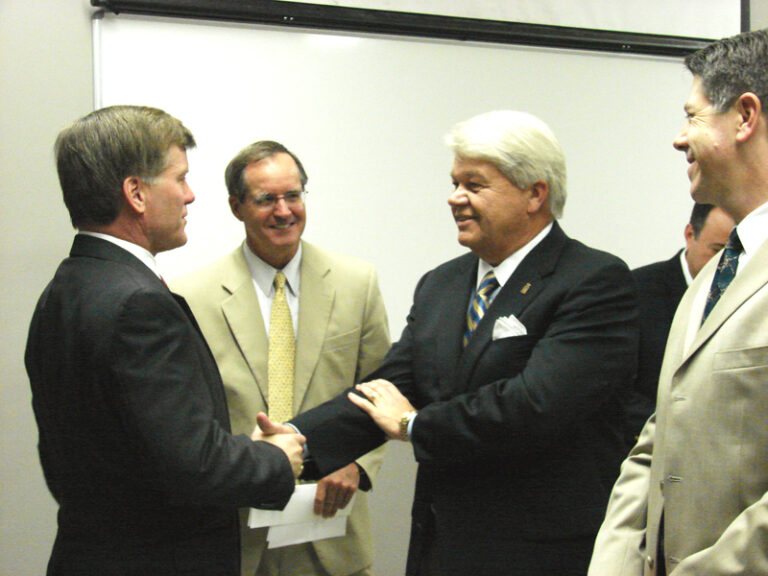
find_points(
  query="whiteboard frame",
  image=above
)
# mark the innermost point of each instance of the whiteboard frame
(320, 16)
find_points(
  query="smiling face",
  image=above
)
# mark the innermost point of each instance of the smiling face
(707, 139)
(494, 217)
(167, 196)
(273, 233)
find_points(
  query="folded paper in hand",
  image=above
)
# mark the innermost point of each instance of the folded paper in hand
(298, 523)
(508, 326)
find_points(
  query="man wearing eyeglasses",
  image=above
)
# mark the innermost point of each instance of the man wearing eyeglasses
(337, 334)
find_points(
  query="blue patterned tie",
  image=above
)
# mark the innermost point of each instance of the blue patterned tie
(479, 304)
(726, 270)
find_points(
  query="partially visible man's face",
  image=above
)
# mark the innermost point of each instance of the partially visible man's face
(711, 240)
(490, 212)
(272, 233)
(167, 197)
(707, 138)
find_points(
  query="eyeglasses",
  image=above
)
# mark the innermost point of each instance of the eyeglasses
(291, 198)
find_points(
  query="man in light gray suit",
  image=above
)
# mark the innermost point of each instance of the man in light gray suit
(341, 334)
(692, 497)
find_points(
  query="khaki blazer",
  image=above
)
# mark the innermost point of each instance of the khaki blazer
(342, 336)
(703, 458)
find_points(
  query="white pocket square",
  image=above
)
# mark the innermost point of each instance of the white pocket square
(508, 326)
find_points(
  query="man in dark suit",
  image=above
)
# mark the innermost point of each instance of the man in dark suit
(518, 433)
(134, 431)
(660, 286)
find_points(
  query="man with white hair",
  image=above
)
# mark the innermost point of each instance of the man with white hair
(514, 356)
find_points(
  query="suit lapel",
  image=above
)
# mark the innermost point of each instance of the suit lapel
(454, 300)
(522, 288)
(243, 315)
(315, 306)
(751, 279)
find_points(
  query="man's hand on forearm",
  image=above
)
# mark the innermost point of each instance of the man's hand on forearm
(384, 403)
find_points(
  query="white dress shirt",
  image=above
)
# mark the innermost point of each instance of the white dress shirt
(263, 276)
(139, 251)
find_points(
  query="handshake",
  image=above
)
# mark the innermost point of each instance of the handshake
(386, 406)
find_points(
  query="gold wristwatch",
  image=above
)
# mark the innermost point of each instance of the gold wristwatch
(405, 419)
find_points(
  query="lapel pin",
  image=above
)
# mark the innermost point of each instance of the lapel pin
(524, 289)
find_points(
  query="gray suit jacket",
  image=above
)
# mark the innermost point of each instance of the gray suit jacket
(702, 459)
(342, 336)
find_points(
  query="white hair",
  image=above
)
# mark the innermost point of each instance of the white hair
(520, 145)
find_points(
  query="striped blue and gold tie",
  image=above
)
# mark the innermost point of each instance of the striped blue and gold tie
(480, 304)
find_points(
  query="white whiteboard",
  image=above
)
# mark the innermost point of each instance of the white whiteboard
(367, 116)
(669, 17)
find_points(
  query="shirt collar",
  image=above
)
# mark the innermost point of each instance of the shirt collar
(753, 229)
(686, 271)
(264, 275)
(507, 267)
(139, 251)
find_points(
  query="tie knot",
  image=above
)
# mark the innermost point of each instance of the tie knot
(488, 284)
(279, 280)
(734, 243)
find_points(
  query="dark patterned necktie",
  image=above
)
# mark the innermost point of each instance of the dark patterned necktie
(479, 304)
(726, 270)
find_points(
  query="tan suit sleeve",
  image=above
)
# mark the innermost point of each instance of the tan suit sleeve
(620, 543)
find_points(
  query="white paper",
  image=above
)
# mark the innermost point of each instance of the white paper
(288, 534)
(298, 522)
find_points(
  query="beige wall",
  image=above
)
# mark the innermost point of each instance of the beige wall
(759, 14)
(46, 82)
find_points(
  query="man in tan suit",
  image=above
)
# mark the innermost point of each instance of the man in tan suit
(692, 498)
(341, 334)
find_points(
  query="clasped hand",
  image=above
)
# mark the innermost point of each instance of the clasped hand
(284, 437)
(335, 491)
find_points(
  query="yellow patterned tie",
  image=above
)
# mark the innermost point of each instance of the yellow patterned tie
(282, 350)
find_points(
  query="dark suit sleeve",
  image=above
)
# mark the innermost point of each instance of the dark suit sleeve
(582, 356)
(660, 286)
(171, 405)
(337, 431)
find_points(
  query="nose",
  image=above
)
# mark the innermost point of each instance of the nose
(458, 197)
(281, 209)
(189, 196)
(681, 141)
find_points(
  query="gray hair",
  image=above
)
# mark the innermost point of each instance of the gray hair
(521, 146)
(732, 66)
(233, 175)
(98, 152)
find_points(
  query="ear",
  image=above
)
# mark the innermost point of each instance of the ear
(235, 205)
(689, 234)
(135, 194)
(750, 111)
(538, 197)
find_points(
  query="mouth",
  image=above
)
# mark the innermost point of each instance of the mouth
(282, 226)
(462, 220)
